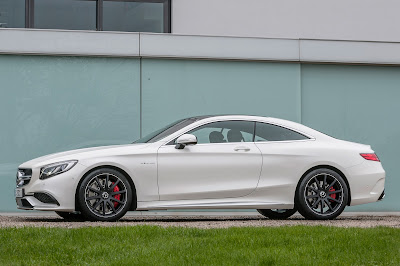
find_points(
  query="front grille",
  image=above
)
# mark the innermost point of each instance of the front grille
(23, 177)
(45, 198)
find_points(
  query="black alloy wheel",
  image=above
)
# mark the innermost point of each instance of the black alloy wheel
(277, 214)
(105, 195)
(322, 195)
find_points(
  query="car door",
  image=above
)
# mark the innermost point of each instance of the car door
(225, 163)
(286, 153)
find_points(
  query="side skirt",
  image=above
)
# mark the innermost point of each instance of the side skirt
(212, 204)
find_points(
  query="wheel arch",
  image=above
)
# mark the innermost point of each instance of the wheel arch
(128, 177)
(330, 167)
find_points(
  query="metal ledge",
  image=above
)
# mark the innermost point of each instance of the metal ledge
(359, 52)
(210, 47)
(152, 45)
(68, 42)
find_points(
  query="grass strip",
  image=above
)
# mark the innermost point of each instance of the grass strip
(152, 245)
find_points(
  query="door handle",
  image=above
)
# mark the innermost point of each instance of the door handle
(241, 148)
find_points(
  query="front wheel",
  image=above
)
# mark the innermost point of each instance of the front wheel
(321, 195)
(104, 195)
(277, 214)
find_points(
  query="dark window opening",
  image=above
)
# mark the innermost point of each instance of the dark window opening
(108, 15)
(64, 14)
(133, 16)
(12, 13)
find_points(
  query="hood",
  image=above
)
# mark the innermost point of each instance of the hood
(81, 154)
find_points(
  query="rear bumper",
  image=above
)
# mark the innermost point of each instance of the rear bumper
(382, 196)
(367, 182)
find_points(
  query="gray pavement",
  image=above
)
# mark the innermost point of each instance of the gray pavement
(201, 219)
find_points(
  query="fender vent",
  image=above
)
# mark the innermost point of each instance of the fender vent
(45, 198)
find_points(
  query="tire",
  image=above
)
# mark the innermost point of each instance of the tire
(73, 217)
(104, 195)
(321, 195)
(277, 214)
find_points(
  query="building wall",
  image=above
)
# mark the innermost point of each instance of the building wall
(175, 89)
(51, 104)
(357, 103)
(370, 20)
(54, 103)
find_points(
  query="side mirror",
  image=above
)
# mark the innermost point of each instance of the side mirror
(185, 139)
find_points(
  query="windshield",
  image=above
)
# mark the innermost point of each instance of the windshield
(166, 131)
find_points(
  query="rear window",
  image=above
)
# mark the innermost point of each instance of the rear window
(268, 132)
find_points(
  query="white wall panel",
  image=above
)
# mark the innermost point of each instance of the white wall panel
(368, 20)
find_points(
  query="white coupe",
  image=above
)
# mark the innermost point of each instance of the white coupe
(207, 162)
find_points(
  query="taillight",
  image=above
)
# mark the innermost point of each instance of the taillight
(370, 156)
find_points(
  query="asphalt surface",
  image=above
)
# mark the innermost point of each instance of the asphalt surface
(201, 220)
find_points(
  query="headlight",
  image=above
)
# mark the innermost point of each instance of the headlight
(56, 168)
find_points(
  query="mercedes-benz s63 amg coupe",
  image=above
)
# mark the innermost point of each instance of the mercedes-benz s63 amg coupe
(207, 162)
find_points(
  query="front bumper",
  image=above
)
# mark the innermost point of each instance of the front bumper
(56, 193)
(37, 201)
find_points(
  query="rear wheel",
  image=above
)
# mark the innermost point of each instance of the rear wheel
(277, 214)
(322, 194)
(69, 216)
(104, 195)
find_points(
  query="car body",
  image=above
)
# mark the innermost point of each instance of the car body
(187, 165)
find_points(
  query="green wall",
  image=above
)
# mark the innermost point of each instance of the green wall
(361, 104)
(175, 89)
(52, 104)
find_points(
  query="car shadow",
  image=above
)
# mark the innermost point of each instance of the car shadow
(191, 219)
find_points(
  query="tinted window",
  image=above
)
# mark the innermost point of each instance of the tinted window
(166, 131)
(268, 132)
(65, 14)
(12, 13)
(225, 131)
(110, 15)
(133, 16)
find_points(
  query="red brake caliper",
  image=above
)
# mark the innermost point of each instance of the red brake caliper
(333, 196)
(117, 197)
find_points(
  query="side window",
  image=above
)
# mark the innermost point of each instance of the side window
(268, 132)
(224, 131)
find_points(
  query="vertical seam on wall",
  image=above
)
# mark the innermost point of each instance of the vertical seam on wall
(140, 91)
(140, 96)
(300, 86)
(301, 94)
